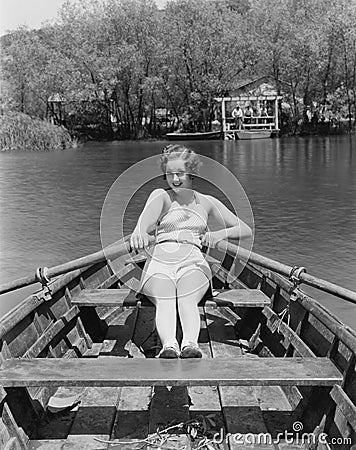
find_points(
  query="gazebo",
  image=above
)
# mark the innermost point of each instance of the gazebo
(258, 105)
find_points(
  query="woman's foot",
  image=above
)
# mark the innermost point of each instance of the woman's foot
(169, 351)
(191, 350)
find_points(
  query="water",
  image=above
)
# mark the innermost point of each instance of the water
(302, 192)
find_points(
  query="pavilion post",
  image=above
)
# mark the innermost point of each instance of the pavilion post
(276, 113)
(223, 115)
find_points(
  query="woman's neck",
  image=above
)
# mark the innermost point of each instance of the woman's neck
(185, 197)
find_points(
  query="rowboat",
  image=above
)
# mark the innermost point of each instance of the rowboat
(257, 134)
(202, 136)
(78, 367)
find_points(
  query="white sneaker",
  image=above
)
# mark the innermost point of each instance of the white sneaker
(169, 351)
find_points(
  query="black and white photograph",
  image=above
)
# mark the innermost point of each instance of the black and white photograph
(177, 225)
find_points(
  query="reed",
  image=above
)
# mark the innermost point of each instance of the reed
(21, 132)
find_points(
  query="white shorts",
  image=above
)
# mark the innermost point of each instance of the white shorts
(173, 260)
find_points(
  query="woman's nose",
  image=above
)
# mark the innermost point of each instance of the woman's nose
(175, 177)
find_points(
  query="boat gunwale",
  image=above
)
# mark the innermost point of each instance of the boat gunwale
(285, 270)
(343, 332)
(29, 304)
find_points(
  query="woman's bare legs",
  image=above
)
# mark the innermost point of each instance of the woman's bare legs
(161, 291)
(191, 288)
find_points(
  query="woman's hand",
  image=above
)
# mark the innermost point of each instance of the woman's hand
(211, 238)
(139, 240)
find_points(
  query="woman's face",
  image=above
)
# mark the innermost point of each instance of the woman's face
(177, 176)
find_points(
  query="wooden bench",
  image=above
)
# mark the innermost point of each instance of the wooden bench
(114, 371)
(127, 297)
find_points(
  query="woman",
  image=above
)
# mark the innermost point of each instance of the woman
(177, 276)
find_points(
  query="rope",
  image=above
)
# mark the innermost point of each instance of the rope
(294, 277)
(281, 317)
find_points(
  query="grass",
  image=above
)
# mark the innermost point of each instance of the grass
(21, 132)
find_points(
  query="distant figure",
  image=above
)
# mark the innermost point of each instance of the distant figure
(308, 114)
(238, 115)
(248, 114)
(257, 111)
(264, 113)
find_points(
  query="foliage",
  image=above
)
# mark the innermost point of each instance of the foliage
(19, 131)
(208, 49)
(302, 52)
(119, 63)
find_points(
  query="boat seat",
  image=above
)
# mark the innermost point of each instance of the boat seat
(127, 297)
(109, 371)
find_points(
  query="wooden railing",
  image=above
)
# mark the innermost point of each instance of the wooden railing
(264, 122)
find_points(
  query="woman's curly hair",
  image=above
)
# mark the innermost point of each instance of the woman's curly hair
(178, 151)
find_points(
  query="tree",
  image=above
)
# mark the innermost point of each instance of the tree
(208, 48)
(124, 61)
(24, 61)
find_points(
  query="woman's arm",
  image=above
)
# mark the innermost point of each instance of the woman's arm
(148, 219)
(233, 227)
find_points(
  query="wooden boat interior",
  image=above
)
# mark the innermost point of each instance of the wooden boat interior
(273, 357)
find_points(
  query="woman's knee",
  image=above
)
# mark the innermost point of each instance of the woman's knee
(159, 287)
(192, 286)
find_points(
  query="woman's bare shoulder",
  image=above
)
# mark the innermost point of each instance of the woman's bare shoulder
(160, 196)
(159, 193)
(206, 200)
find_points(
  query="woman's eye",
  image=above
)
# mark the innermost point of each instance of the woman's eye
(178, 174)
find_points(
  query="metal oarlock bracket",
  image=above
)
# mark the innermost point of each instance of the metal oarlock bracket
(294, 277)
(295, 274)
(43, 278)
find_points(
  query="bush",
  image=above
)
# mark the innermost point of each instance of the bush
(21, 132)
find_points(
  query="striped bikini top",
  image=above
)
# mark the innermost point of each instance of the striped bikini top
(182, 224)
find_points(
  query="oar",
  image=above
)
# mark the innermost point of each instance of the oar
(285, 270)
(112, 251)
(119, 249)
(115, 250)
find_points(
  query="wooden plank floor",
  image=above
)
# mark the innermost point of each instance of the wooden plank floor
(132, 415)
(128, 415)
(238, 403)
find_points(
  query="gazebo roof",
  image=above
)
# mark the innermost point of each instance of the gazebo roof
(255, 86)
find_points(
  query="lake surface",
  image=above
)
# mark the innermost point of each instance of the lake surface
(302, 193)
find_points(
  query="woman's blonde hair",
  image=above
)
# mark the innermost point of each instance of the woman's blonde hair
(178, 151)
